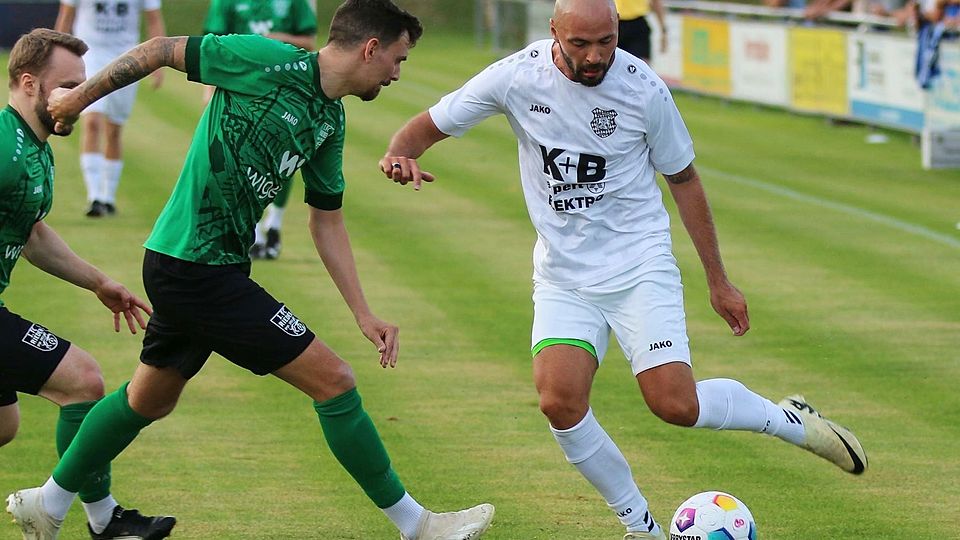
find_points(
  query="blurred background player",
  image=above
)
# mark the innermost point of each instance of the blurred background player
(289, 21)
(110, 28)
(35, 360)
(635, 30)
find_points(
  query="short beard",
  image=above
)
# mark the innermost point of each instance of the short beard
(578, 72)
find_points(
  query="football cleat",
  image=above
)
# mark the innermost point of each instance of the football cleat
(258, 251)
(131, 525)
(468, 524)
(272, 249)
(645, 536)
(26, 507)
(826, 438)
(97, 209)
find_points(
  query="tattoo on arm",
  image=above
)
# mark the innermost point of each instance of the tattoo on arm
(133, 66)
(687, 174)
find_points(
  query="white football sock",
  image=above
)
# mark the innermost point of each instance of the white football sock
(728, 404)
(259, 237)
(274, 218)
(91, 165)
(588, 447)
(112, 168)
(56, 500)
(405, 514)
(100, 513)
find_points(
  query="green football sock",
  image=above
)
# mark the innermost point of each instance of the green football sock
(109, 427)
(97, 486)
(355, 443)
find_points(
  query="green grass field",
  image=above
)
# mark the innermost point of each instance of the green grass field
(848, 253)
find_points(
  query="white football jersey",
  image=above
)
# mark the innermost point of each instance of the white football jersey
(588, 157)
(110, 24)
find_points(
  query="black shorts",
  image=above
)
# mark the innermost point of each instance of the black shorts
(635, 37)
(199, 309)
(29, 353)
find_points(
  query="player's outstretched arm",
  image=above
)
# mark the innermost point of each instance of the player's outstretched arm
(333, 244)
(155, 28)
(65, 105)
(727, 300)
(48, 252)
(408, 144)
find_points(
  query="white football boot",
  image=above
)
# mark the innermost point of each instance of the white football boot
(26, 507)
(468, 524)
(645, 536)
(826, 438)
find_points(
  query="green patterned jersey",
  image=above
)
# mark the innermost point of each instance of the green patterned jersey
(267, 119)
(26, 187)
(260, 17)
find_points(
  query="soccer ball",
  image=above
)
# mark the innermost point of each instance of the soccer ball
(713, 515)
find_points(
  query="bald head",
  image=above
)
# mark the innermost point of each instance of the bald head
(585, 32)
(602, 11)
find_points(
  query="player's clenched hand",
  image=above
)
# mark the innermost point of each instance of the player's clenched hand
(63, 109)
(403, 170)
(729, 302)
(119, 300)
(384, 335)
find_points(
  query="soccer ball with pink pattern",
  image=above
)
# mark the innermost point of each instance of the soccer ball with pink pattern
(713, 515)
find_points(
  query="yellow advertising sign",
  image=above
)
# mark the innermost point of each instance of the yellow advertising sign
(818, 62)
(706, 55)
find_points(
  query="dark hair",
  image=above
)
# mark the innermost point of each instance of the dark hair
(31, 53)
(356, 21)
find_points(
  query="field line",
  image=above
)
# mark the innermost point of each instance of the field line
(904, 226)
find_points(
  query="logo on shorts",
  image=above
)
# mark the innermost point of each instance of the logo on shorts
(40, 338)
(660, 345)
(288, 322)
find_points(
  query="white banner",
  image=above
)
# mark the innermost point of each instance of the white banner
(943, 100)
(881, 83)
(758, 69)
(669, 64)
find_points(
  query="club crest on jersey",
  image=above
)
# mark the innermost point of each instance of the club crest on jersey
(40, 338)
(604, 123)
(288, 322)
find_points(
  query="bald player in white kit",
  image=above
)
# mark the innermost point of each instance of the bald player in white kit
(594, 125)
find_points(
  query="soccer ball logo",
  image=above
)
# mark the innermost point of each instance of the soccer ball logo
(713, 515)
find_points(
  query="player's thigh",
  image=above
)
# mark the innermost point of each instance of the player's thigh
(648, 318)
(118, 105)
(9, 417)
(76, 379)
(31, 353)
(564, 316)
(219, 308)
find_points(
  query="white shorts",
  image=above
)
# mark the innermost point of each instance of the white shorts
(117, 105)
(643, 307)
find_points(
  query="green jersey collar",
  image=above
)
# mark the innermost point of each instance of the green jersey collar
(26, 126)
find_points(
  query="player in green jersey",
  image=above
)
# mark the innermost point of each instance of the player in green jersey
(277, 109)
(34, 359)
(289, 21)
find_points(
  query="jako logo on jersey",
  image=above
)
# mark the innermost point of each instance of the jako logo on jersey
(288, 322)
(12, 252)
(265, 189)
(604, 123)
(289, 163)
(293, 120)
(590, 168)
(539, 108)
(40, 338)
(661, 345)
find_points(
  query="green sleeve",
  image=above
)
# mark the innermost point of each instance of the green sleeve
(249, 64)
(217, 21)
(323, 174)
(303, 20)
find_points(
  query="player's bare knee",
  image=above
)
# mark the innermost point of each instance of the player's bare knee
(341, 379)
(676, 411)
(7, 434)
(562, 413)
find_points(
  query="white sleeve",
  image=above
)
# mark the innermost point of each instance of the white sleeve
(671, 148)
(151, 5)
(481, 97)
